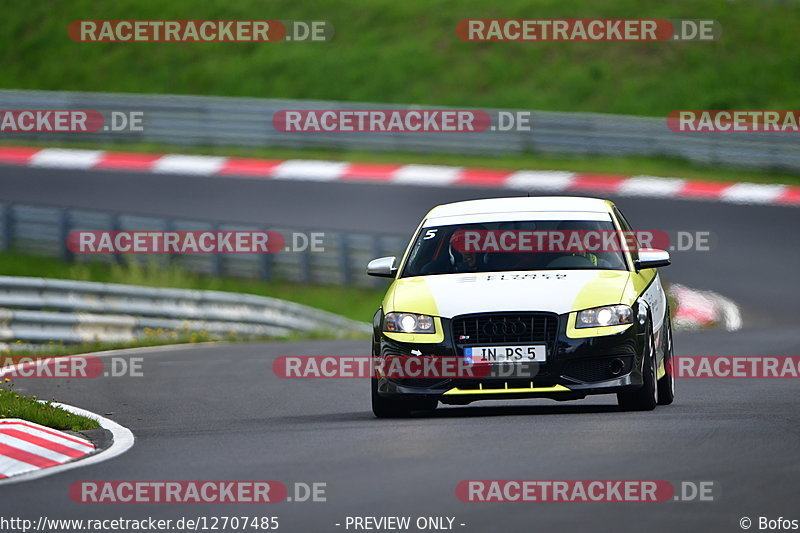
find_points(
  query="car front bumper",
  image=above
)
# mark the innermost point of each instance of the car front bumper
(575, 368)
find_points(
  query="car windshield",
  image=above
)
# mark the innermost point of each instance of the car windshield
(515, 246)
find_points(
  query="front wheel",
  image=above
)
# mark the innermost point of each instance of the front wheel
(398, 408)
(646, 397)
(666, 385)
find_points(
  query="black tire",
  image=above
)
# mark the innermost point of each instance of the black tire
(666, 385)
(644, 398)
(398, 408)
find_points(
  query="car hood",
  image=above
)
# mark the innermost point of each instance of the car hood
(556, 291)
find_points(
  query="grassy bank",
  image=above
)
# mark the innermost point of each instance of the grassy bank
(408, 52)
(13, 405)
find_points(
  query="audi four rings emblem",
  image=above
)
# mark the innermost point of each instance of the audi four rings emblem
(515, 327)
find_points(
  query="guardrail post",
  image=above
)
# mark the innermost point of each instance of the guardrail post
(344, 259)
(377, 247)
(265, 265)
(115, 226)
(377, 251)
(63, 235)
(305, 265)
(8, 226)
(217, 263)
(169, 225)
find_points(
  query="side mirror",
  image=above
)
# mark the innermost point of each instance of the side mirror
(652, 258)
(382, 267)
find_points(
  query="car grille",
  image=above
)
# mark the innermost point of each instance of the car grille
(500, 328)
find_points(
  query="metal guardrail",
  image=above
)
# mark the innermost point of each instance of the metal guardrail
(43, 230)
(36, 310)
(224, 121)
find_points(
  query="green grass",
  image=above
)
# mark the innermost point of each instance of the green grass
(408, 52)
(13, 405)
(21, 353)
(353, 302)
(653, 166)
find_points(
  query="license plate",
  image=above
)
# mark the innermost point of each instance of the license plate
(506, 354)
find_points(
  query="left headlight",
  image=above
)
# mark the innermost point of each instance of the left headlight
(408, 323)
(610, 315)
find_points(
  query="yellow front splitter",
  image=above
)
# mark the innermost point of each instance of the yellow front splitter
(517, 390)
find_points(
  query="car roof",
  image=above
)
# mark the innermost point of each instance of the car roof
(522, 204)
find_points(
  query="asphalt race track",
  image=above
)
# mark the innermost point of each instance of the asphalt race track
(216, 412)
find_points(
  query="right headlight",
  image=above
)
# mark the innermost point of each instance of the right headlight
(609, 315)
